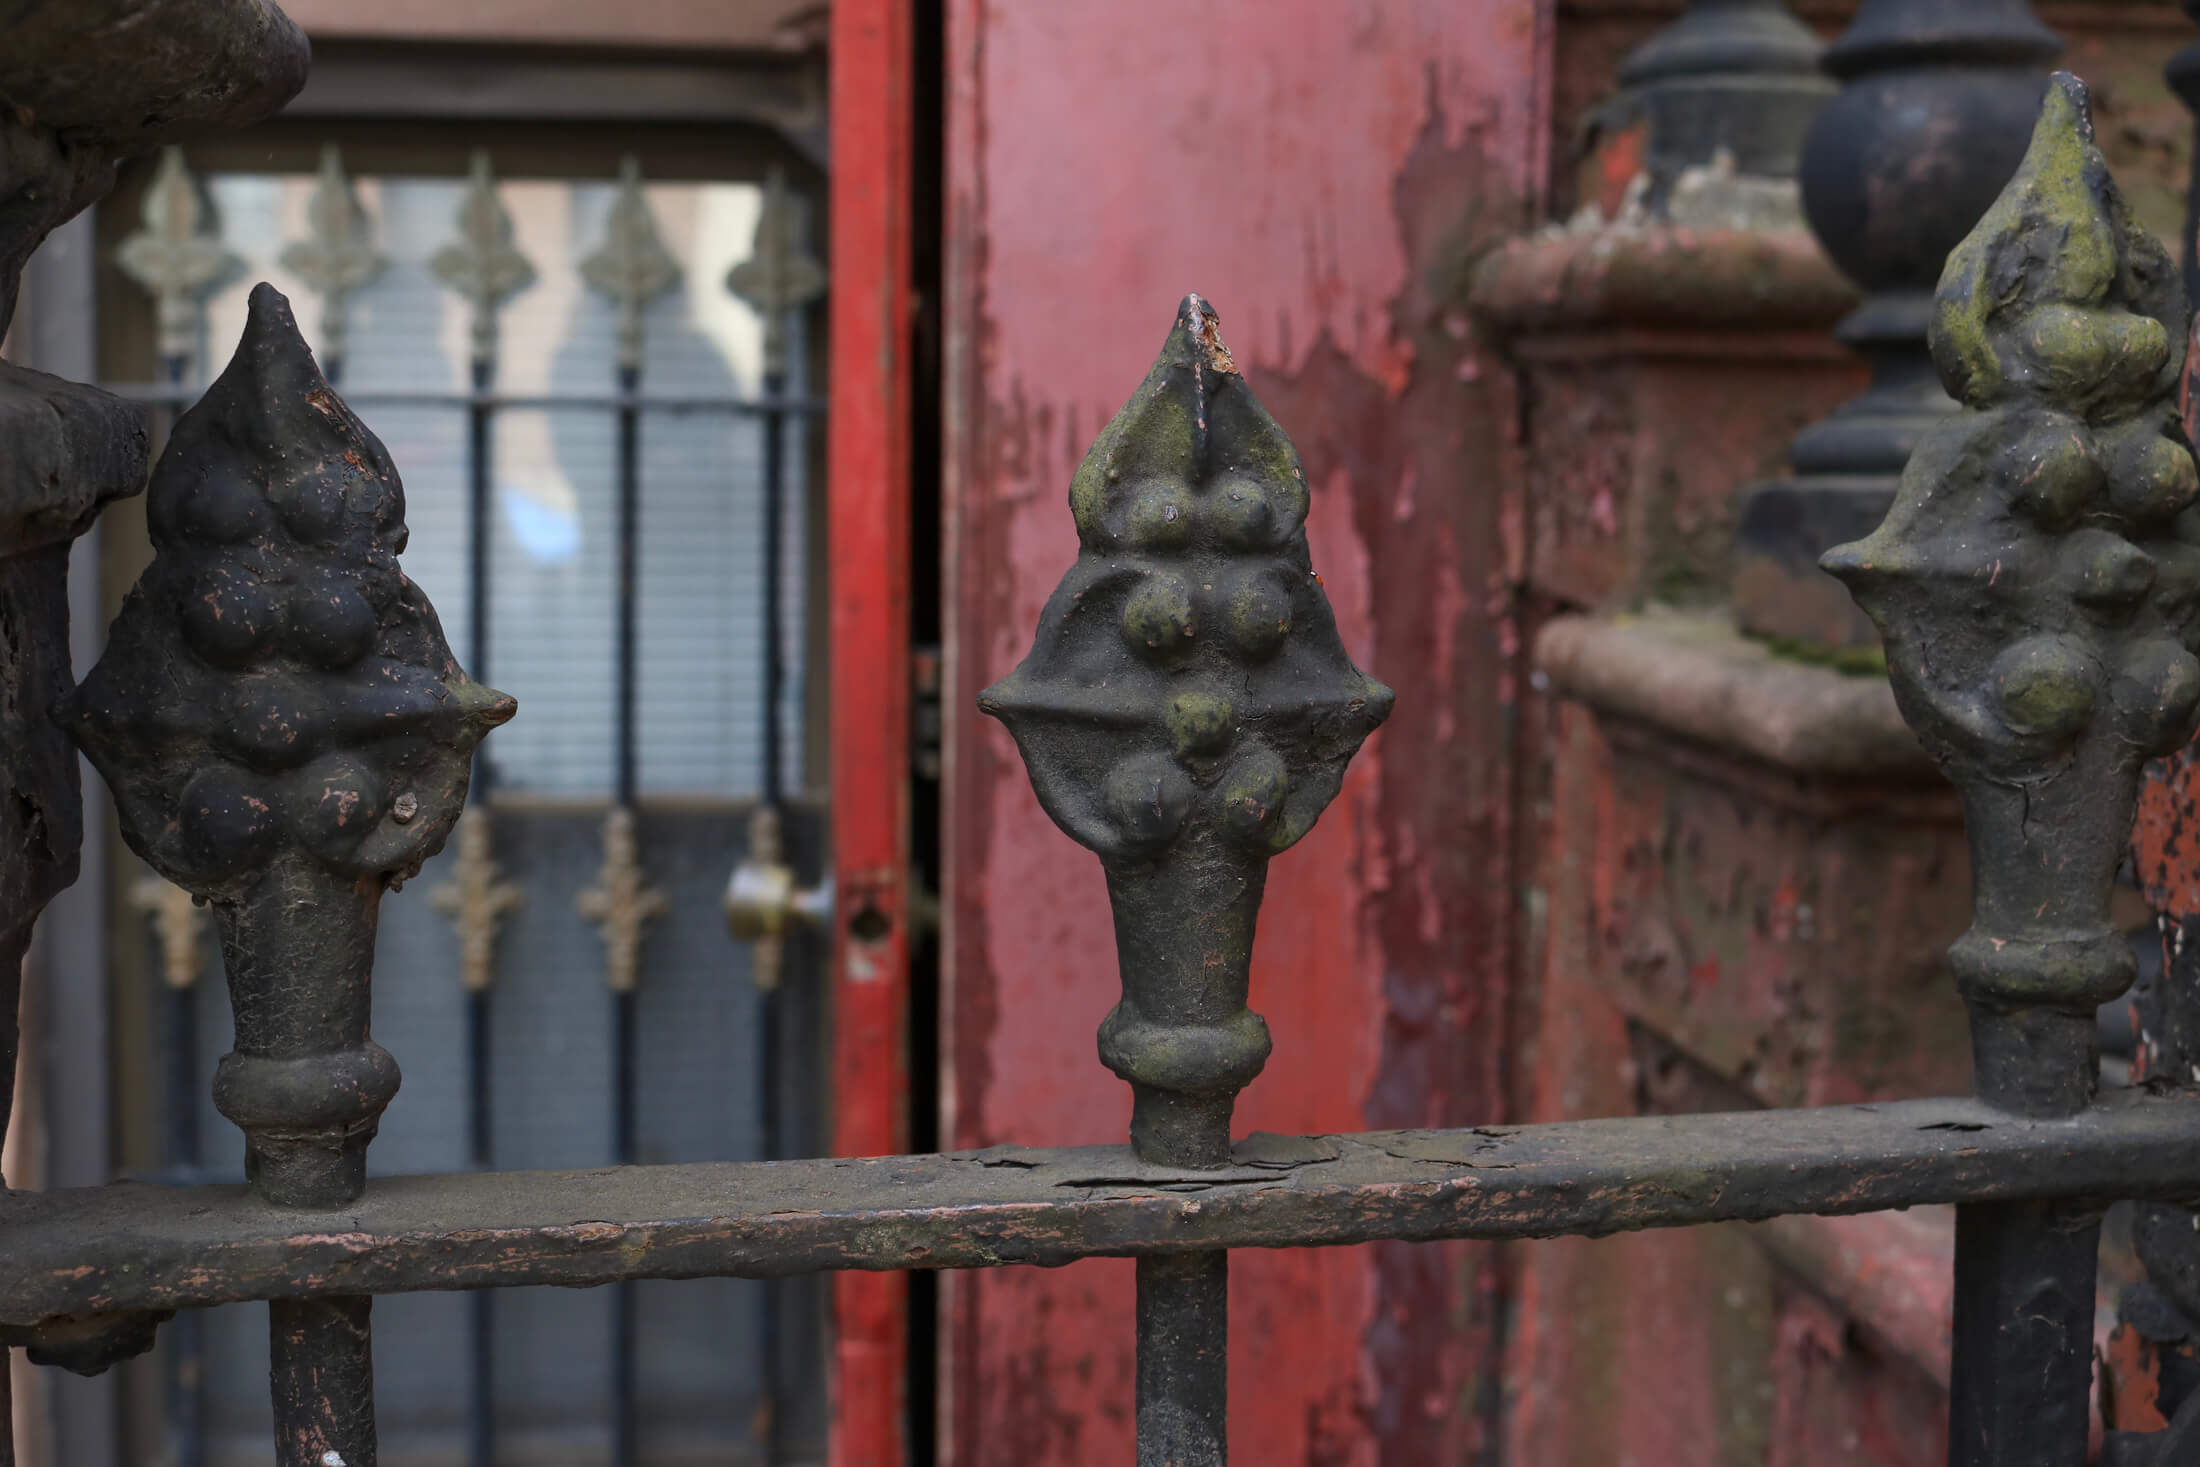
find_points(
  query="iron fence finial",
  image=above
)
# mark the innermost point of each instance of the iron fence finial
(780, 276)
(337, 256)
(286, 734)
(483, 265)
(631, 267)
(176, 256)
(1186, 712)
(2038, 589)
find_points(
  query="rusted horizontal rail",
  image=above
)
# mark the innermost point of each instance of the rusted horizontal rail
(135, 1246)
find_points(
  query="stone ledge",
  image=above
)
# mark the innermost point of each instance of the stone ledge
(1696, 676)
(1661, 276)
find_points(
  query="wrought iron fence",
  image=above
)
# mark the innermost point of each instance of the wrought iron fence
(287, 734)
(178, 258)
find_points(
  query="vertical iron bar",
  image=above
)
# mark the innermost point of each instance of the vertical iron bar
(321, 1362)
(629, 552)
(1183, 1360)
(623, 1383)
(187, 1333)
(477, 527)
(322, 1374)
(769, 1020)
(775, 668)
(484, 267)
(2019, 1388)
(481, 1423)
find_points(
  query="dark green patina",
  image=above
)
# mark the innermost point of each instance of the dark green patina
(1187, 712)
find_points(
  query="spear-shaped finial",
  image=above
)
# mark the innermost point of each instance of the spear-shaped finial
(482, 264)
(779, 277)
(176, 256)
(286, 735)
(337, 256)
(1187, 711)
(632, 265)
(2038, 586)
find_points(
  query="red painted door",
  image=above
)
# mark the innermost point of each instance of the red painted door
(868, 517)
(1324, 171)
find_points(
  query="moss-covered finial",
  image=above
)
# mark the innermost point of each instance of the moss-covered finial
(1187, 711)
(2037, 583)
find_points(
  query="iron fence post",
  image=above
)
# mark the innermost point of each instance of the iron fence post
(1929, 123)
(1186, 712)
(2038, 604)
(287, 735)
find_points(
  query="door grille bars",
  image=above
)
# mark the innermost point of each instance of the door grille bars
(286, 734)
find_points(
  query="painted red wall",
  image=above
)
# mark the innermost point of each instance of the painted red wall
(1324, 171)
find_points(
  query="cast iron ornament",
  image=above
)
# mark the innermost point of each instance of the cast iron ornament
(1187, 711)
(2036, 585)
(286, 734)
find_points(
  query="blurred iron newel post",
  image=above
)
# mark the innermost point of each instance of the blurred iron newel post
(2183, 72)
(1937, 100)
(2036, 598)
(286, 735)
(1187, 712)
(1733, 76)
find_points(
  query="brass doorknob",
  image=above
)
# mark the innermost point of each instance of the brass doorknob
(764, 902)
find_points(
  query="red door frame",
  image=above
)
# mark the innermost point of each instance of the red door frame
(867, 512)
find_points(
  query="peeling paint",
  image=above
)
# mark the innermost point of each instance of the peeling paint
(1345, 159)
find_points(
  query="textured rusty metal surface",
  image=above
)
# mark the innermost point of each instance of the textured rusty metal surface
(74, 1254)
(71, 109)
(322, 1377)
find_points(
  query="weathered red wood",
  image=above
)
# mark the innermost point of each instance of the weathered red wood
(868, 479)
(1325, 174)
